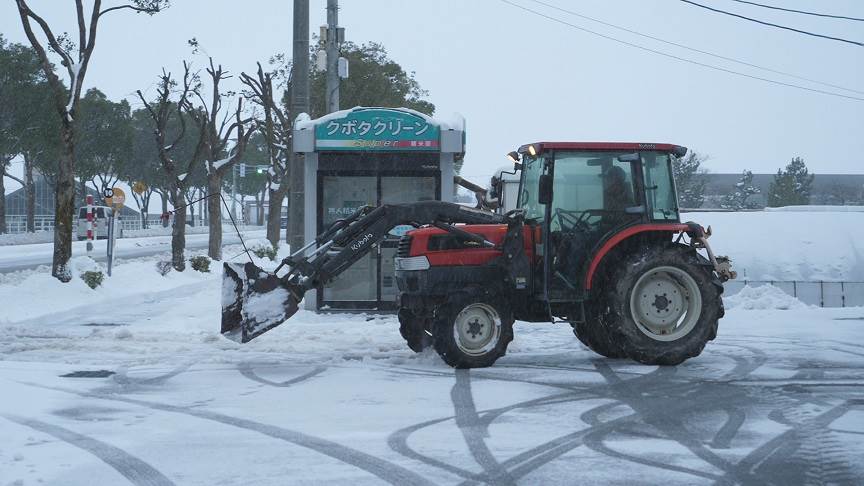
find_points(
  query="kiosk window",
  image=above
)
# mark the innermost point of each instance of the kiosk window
(341, 196)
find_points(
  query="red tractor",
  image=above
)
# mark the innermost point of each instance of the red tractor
(595, 241)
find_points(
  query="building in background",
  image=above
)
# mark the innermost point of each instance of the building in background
(16, 207)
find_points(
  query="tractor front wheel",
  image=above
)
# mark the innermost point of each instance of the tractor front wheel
(472, 332)
(662, 305)
(415, 330)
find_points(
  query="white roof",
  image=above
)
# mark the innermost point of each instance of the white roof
(453, 122)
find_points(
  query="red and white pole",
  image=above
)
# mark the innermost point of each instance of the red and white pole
(91, 225)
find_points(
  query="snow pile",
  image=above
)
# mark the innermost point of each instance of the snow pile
(763, 297)
(37, 293)
(266, 309)
(83, 264)
(787, 245)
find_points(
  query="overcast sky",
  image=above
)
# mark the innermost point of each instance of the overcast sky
(518, 77)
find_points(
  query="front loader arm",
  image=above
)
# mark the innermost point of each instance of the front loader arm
(357, 239)
(255, 301)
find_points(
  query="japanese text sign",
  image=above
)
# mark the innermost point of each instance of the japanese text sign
(377, 129)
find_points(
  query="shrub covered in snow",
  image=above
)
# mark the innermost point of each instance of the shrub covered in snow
(200, 263)
(163, 267)
(88, 270)
(93, 279)
(264, 249)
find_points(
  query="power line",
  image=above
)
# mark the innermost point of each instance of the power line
(707, 53)
(772, 7)
(679, 58)
(724, 12)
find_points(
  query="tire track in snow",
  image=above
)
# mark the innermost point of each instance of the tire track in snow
(474, 430)
(651, 409)
(531, 460)
(132, 468)
(528, 461)
(774, 456)
(387, 471)
(247, 369)
(124, 382)
(398, 440)
(594, 441)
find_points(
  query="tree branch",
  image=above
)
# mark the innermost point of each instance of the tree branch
(26, 14)
(7, 174)
(82, 27)
(147, 10)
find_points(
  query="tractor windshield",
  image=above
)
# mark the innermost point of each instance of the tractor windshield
(532, 167)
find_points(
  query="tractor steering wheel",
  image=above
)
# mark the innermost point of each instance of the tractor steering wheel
(577, 220)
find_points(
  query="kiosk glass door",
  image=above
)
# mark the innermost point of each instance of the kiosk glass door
(369, 283)
(341, 196)
(398, 190)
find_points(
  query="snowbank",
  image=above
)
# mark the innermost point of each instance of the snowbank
(190, 230)
(789, 245)
(818, 208)
(27, 238)
(37, 293)
(34, 293)
(763, 297)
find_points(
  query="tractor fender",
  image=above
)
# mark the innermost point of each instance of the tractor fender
(624, 234)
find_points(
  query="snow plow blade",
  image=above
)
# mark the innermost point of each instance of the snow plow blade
(254, 301)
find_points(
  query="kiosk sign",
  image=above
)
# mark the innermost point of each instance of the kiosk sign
(378, 129)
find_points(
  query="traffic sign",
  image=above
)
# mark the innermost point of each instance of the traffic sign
(117, 197)
(139, 187)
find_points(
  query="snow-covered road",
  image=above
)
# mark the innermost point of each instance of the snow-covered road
(14, 258)
(149, 393)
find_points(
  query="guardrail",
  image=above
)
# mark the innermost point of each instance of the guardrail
(819, 293)
(18, 224)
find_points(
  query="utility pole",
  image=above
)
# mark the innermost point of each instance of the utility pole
(234, 192)
(299, 104)
(332, 47)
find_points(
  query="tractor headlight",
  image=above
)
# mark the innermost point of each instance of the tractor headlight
(412, 263)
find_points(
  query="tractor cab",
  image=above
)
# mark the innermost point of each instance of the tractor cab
(581, 195)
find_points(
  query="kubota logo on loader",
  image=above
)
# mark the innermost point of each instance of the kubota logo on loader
(359, 244)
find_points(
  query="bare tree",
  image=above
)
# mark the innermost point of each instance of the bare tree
(276, 129)
(66, 103)
(162, 112)
(4, 162)
(219, 158)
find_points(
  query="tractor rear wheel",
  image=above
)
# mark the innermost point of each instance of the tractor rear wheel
(471, 331)
(662, 305)
(414, 330)
(595, 336)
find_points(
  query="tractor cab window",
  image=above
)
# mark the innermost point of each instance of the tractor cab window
(659, 186)
(591, 189)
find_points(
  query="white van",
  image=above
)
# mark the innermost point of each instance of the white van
(100, 220)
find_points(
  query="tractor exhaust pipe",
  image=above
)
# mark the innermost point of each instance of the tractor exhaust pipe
(255, 301)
